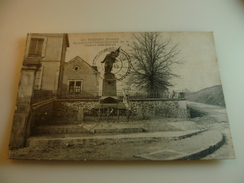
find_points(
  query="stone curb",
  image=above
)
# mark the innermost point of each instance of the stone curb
(205, 152)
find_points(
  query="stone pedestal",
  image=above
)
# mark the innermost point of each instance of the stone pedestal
(109, 85)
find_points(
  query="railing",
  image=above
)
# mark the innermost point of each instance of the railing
(41, 95)
(162, 95)
(81, 95)
(120, 94)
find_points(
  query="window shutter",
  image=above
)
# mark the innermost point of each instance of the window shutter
(35, 48)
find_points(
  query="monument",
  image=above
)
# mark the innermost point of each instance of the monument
(109, 82)
(115, 66)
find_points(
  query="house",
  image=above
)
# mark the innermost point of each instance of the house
(41, 75)
(80, 79)
(49, 51)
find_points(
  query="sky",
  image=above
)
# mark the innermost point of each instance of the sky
(199, 63)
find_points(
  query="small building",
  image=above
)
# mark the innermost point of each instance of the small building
(80, 80)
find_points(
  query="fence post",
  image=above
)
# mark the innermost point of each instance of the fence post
(80, 116)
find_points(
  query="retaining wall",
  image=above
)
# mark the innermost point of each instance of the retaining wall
(139, 109)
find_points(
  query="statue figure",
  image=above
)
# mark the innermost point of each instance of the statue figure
(109, 60)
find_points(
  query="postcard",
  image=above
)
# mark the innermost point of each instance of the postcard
(120, 96)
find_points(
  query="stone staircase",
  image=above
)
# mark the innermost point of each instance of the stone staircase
(58, 129)
(79, 129)
(77, 140)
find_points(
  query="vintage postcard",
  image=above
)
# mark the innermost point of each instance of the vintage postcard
(120, 96)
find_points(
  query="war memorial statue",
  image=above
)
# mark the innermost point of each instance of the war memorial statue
(109, 61)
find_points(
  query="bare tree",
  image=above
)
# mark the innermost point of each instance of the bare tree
(152, 59)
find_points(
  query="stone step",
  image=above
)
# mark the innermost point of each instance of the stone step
(84, 140)
(58, 129)
(78, 129)
(120, 130)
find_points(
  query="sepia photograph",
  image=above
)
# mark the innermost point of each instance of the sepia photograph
(120, 96)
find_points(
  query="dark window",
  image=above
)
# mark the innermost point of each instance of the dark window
(75, 87)
(71, 86)
(36, 45)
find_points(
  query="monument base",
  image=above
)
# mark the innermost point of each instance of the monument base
(109, 85)
(109, 99)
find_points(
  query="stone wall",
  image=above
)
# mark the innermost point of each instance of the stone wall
(70, 111)
(159, 109)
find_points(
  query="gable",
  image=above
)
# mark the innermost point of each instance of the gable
(78, 65)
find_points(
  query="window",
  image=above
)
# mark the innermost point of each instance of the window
(78, 87)
(75, 87)
(35, 48)
(38, 78)
(76, 68)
